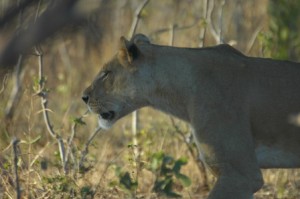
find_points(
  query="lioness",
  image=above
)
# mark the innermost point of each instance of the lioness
(244, 110)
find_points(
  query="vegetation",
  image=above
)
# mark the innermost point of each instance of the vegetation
(282, 40)
(74, 159)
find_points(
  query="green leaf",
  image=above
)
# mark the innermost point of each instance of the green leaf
(156, 161)
(79, 121)
(184, 180)
(178, 164)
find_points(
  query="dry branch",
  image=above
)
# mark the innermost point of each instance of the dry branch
(135, 115)
(253, 38)
(136, 18)
(42, 93)
(204, 23)
(176, 27)
(70, 139)
(85, 150)
(216, 32)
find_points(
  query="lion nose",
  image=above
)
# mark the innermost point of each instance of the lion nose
(85, 98)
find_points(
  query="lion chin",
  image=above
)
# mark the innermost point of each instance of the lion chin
(105, 124)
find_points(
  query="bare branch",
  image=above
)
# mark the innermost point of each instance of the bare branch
(39, 154)
(253, 38)
(135, 114)
(204, 23)
(176, 27)
(73, 132)
(85, 150)
(221, 22)
(43, 94)
(216, 32)
(15, 142)
(136, 19)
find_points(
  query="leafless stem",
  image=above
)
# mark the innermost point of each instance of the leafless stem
(221, 22)
(205, 20)
(172, 34)
(176, 27)
(43, 94)
(15, 142)
(85, 150)
(70, 140)
(134, 25)
(253, 38)
(216, 33)
(39, 154)
(137, 16)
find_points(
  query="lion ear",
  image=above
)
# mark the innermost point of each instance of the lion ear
(140, 39)
(128, 52)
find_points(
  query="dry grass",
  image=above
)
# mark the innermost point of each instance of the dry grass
(70, 63)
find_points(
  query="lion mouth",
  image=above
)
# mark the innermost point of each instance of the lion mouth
(110, 115)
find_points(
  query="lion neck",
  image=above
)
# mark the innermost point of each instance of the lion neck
(170, 93)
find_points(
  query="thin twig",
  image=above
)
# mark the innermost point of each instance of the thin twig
(176, 27)
(216, 33)
(221, 22)
(135, 115)
(85, 150)
(70, 140)
(39, 154)
(172, 34)
(136, 19)
(15, 142)
(43, 94)
(253, 38)
(204, 23)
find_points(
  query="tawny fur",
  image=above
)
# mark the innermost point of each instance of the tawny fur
(244, 111)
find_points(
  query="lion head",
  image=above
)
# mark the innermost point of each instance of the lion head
(122, 84)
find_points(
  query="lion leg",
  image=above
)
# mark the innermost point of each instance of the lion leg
(227, 148)
(233, 185)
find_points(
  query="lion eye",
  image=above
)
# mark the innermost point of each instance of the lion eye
(104, 75)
